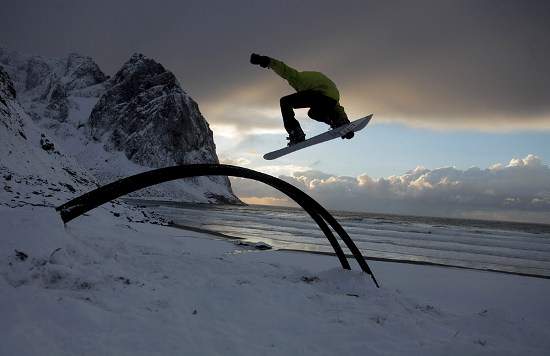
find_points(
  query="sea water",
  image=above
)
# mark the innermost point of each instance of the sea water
(502, 246)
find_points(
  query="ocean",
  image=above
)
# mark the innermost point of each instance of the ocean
(487, 245)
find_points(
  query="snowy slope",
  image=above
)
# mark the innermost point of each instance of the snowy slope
(33, 168)
(60, 96)
(106, 286)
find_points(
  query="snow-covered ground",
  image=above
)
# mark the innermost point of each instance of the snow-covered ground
(107, 285)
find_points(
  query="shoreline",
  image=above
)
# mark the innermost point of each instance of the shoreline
(504, 225)
(377, 259)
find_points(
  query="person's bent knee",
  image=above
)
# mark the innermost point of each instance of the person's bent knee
(317, 115)
(314, 114)
(285, 101)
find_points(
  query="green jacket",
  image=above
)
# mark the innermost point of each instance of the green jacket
(305, 80)
(309, 81)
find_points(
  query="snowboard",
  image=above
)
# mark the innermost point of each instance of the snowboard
(326, 136)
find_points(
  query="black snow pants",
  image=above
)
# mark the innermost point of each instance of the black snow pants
(321, 107)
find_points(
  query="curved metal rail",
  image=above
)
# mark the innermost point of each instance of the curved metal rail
(320, 215)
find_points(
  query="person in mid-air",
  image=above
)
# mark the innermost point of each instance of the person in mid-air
(314, 91)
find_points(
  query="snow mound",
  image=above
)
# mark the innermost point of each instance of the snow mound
(161, 290)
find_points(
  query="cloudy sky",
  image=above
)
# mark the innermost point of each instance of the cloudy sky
(451, 84)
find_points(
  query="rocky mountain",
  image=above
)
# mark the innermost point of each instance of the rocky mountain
(33, 169)
(7, 94)
(139, 119)
(44, 84)
(145, 113)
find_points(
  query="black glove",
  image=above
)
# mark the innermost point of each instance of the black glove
(262, 61)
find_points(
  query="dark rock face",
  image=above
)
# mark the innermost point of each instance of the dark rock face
(58, 105)
(46, 144)
(82, 72)
(7, 91)
(38, 72)
(145, 113)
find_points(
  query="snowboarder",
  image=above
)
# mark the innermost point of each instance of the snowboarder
(314, 91)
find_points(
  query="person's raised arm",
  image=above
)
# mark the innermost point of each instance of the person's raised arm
(277, 66)
(284, 71)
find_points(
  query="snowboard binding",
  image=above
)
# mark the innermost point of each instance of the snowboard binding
(341, 121)
(295, 136)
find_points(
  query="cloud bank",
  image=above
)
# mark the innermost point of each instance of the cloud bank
(519, 190)
(432, 63)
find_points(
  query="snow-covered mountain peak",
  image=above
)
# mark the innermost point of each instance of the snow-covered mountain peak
(45, 84)
(81, 72)
(146, 114)
(37, 76)
(138, 64)
(139, 119)
(140, 74)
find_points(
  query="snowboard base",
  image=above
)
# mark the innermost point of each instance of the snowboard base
(326, 136)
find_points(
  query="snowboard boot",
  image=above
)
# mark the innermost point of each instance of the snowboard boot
(338, 121)
(341, 121)
(295, 136)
